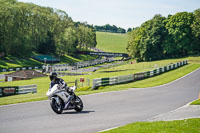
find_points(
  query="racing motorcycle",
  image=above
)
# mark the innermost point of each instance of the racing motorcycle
(61, 100)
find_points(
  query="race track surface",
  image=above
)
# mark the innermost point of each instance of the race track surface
(101, 111)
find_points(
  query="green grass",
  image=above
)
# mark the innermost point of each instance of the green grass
(14, 62)
(196, 102)
(160, 79)
(112, 42)
(43, 83)
(177, 126)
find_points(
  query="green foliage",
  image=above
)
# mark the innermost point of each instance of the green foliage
(109, 28)
(175, 36)
(179, 38)
(196, 31)
(145, 42)
(86, 37)
(27, 28)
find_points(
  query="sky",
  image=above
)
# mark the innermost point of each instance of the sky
(121, 13)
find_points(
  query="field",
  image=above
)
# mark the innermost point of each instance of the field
(112, 42)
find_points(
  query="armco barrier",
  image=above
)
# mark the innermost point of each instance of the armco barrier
(137, 76)
(21, 68)
(15, 90)
(71, 74)
(112, 80)
(74, 66)
(27, 89)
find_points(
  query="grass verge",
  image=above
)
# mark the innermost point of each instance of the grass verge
(177, 126)
(197, 102)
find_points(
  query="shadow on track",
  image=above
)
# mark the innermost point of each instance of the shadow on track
(74, 112)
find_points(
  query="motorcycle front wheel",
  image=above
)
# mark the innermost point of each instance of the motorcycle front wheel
(79, 104)
(56, 106)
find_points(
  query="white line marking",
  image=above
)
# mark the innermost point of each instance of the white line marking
(109, 129)
(22, 103)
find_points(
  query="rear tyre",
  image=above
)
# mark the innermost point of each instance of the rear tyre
(57, 107)
(79, 104)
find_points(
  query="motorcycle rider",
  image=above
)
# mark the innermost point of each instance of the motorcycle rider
(55, 80)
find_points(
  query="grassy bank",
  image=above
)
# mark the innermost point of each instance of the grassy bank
(112, 42)
(178, 126)
(196, 102)
(109, 42)
(14, 62)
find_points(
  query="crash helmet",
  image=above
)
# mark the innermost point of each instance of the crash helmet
(53, 75)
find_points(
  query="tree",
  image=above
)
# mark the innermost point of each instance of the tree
(145, 42)
(196, 32)
(178, 42)
(86, 37)
(27, 28)
(129, 30)
(109, 28)
(68, 42)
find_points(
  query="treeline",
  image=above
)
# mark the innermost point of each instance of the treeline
(109, 28)
(175, 36)
(106, 28)
(26, 28)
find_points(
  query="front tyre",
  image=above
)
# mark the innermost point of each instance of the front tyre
(56, 105)
(79, 104)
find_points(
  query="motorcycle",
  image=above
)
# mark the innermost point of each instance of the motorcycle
(60, 100)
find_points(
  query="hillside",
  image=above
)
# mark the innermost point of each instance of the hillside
(112, 42)
(109, 42)
(14, 62)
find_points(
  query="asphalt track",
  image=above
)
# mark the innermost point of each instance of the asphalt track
(101, 111)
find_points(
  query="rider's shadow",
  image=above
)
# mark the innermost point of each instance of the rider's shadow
(81, 112)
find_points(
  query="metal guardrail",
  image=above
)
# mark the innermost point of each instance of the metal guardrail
(137, 76)
(15, 90)
(27, 89)
(77, 65)
(20, 68)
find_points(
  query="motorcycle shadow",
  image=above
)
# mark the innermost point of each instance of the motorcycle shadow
(74, 112)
